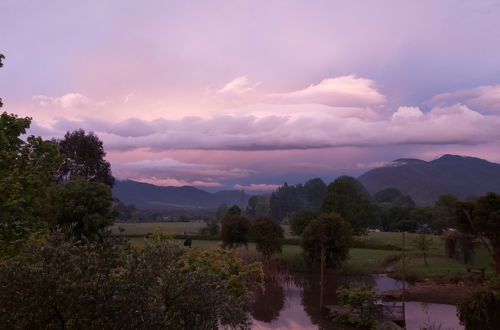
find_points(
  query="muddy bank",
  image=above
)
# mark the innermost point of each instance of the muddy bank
(451, 294)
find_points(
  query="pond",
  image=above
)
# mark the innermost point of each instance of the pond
(293, 302)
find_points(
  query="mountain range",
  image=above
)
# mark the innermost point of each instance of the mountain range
(464, 177)
(148, 196)
(424, 181)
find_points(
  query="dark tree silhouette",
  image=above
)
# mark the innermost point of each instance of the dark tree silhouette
(84, 158)
(235, 231)
(268, 236)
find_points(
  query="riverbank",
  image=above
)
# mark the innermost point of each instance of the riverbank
(451, 294)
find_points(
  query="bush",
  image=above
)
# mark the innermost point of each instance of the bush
(362, 302)
(481, 311)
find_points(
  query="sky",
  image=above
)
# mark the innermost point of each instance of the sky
(249, 94)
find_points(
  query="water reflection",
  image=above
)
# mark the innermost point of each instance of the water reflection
(431, 316)
(293, 302)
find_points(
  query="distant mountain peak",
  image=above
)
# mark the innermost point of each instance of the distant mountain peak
(462, 176)
(406, 161)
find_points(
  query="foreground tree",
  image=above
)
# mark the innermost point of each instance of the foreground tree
(85, 207)
(481, 311)
(331, 232)
(347, 197)
(27, 168)
(84, 158)
(235, 231)
(73, 284)
(482, 219)
(267, 235)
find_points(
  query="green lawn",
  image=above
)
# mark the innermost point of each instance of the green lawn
(361, 261)
(142, 229)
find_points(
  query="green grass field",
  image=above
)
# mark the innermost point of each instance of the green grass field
(361, 261)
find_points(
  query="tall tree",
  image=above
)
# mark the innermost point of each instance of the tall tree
(235, 231)
(482, 218)
(27, 168)
(85, 207)
(347, 197)
(84, 158)
(333, 233)
(268, 236)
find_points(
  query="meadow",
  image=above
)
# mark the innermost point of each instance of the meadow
(371, 258)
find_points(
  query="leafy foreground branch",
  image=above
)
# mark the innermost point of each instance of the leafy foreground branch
(78, 284)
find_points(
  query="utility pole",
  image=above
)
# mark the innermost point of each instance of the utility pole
(322, 283)
(404, 277)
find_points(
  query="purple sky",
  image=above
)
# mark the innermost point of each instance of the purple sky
(223, 94)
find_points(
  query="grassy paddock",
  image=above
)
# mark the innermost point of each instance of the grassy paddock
(142, 229)
(361, 261)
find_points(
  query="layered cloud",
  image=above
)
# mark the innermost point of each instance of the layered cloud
(482, 98)
(344, 91)
(343, 112)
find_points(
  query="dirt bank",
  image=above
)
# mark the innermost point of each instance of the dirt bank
(434, 293)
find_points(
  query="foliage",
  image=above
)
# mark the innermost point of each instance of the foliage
(362, 302)
(347, 197)
(330, 230)
(394, 197)
(124, 212)
(258, 206)
(481, 311)
(235, 231)
(287, 200)
(482, 218)
(234, 210)
(423, 243)
(300, 220)
(84, 158)
(72, 284)
(159, 236)
(221, 211)
(27, 168)
(444, 211)
(267, 235)
(85, 206)
(211, 229)
(232, 272)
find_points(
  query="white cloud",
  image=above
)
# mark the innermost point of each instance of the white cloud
(482, 98)
(345, 91)
(70, 100)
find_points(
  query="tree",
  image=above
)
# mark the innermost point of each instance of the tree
(235, 231)
(300, 220)
(347, 197)
(289, 199)
(221, 212)
(268, 236)
(423, 243)
(444, 211)
(394, 197)
(365, 311)
(482, 218)
(234, 210)
(258, 206)
(84, 206)
(481, 310)
(84, 158)
(27, 168)
(62, 283)
(331, 231)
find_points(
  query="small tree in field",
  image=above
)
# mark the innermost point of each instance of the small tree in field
(331, 232)
(268, 236)
(423, 243)
(235, 231)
